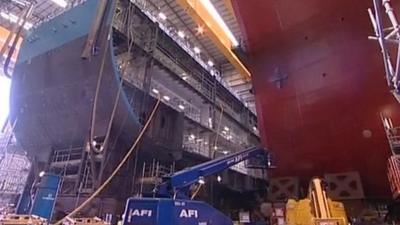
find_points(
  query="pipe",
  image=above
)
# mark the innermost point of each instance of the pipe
(92, 37)
(15, 41)
(393, 20)
(381, 41)
(390, 13)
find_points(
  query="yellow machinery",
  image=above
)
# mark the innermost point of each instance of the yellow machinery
(12, 219)
(317, 209)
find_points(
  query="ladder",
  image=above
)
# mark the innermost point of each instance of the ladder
(393, 163)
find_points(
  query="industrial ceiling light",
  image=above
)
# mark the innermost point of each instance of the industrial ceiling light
(162, 16)
(167, 98)
(214, 13)
(42, 173)
(181, 34)
(219, 178)
(184, 77)
(196, 50)
(226, 128)
(201, 180)
(192, 136)
(14, 19)
(22, 3)
(210, 63)
(181, 106)
(225, 152)
(61, 3)
(199, 30)
(155, 91)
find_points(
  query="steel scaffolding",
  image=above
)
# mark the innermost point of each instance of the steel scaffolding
(387, 37)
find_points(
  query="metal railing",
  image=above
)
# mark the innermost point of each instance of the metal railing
(392, 134)
(152, 174)
(393, 174)
(14, 170)
(173, 61)
(65, 155)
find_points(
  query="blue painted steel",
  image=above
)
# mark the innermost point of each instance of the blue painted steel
(46, 194)
(184, 178)
(162, 211)
(53, 34)
(24, 202)
(57, 87)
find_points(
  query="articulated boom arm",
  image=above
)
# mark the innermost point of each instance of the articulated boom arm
(191, 175)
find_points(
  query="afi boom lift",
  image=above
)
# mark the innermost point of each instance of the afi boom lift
(172, 205)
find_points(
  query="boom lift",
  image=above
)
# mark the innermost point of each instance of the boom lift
(172, 205)
(317, 209)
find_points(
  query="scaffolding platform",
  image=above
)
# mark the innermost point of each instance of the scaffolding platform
(394, 175)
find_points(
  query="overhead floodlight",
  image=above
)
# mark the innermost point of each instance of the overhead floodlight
(162, 16)
(197, 50)
(181, 34)
(42, 173)
(226, 128)
(199, 30)
(22, 3)
(14, 19)
(182, 107)
(219, 178)
(167, 98)
(155, 91)
(201, 180)
(210, 63)
(192, 136)
(217, 17)
(61, 3)
(225, 152)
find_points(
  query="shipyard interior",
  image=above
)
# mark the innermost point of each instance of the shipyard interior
(199, 112)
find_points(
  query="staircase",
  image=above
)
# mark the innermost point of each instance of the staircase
(75, 168)
(392, 134)
(393, 163)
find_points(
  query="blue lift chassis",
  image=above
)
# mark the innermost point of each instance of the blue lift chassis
(172, 206)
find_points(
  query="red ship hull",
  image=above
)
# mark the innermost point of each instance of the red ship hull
(320, 87)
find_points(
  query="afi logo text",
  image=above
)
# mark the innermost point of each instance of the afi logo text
(188, 213)
(139, 212)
